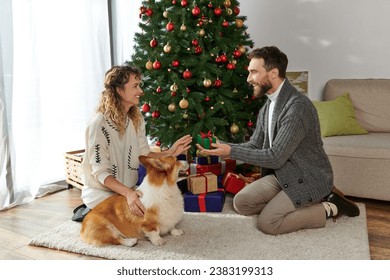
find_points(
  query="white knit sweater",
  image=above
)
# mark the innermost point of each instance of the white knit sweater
(108, 153)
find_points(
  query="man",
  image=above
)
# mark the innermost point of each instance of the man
(296, 189)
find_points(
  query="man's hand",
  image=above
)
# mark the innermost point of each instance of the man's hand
(221, 150)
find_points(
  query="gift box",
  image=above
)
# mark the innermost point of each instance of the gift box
(207, 160)
(233, 183)
(220, 168)
(204, 202)
(202, 183)
(247, 168)
(205, 139)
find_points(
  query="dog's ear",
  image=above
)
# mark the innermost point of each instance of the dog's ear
(157, 163)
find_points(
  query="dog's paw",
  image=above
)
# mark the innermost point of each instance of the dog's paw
(130, 242)
(176, 232)
(157, 241)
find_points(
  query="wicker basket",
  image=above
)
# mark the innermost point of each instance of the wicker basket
(73, 168)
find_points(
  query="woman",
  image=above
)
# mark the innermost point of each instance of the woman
(115, 138)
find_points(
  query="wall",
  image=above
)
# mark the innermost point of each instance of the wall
(328, 38)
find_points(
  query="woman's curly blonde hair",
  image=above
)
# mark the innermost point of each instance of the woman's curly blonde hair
(110, 102)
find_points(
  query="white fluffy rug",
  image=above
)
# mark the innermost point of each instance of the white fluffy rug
(227, 235)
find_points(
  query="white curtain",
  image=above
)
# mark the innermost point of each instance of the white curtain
(53, 56)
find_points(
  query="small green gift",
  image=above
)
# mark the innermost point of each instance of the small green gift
(205, 139)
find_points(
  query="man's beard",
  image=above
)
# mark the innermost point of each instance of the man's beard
(260, 91)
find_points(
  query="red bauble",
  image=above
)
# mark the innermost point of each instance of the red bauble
(158, 143)
(156, 114)
(195, 42)
(217, 83)
(207, 99)
(225, 23)
(230, 66)
(173, 93)
(218, 11)
(218, 59)
(173, 2)
(223, 58)
(236, 10)
(153, 43)
(145, 108)
(198, 50)
(187, 74)
(170, 26)
(249, 123)
(196, 11)
(237, 53)
(157, 65)
(159, 89)
(142, 10)
(184, 3)
(210, 5)
(176, 63)
(149, 12)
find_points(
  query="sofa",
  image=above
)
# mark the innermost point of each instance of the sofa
(361, 160)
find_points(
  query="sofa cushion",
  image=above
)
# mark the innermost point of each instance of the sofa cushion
(370, 97)
(337, 117)
(370, 146)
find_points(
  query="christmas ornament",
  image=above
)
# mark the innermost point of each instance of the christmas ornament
(158, 143)
(149, 65)
(234, 129)
(195, 11)
(210, 5)
(225, 23)
(156, 114)
(145, 108)
(153, 43)
(187, 74)
(170, 26)
(183, 27)
(227, 3)
(207, 99)
(167, 48)
(185, 116)
(173, 2)
(198, 50)
(142, 10)
(173, 93)
(239, 23)
(172, 107)
(201, 32)
(249, 123)
(218, 59)
(218, 11)
(184, 3)
(237, 53)
(229, 11)
(242, 49)
(149, 12)
(156, 65)
(176, 63)
(230, 66)
(195, 42)
(236, 10)
(158, 89)
(183, 104)
(207, 83)
(223, 58)
(174, 87)
(165, 14)
(217, 83)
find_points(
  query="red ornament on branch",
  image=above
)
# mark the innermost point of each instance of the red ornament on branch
(145, 108)
(170, 26)
(218, 11)
(156, 65)
(187, 74)
(176, 63)
(196, 11)
(153, 43)
(149, 12)
(156, 114)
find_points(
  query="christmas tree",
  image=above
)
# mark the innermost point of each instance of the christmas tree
(193, 55)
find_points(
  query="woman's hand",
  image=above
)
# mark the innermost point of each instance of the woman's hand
(181, 145)
(135, 205)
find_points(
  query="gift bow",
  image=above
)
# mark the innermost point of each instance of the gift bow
(206, 135)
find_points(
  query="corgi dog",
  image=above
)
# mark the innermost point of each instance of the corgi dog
(111, 221)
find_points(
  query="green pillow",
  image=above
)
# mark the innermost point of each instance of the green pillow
(337, 117)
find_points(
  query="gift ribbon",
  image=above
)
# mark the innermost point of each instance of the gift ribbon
(202, 200)
(207, 135)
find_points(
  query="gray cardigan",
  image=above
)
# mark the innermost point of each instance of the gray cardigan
(296, 157)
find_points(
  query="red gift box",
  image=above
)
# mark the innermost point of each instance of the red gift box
(219, 168)
(233, 183)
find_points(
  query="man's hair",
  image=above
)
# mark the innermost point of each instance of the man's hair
(273, 58)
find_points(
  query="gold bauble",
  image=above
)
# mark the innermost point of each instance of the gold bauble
(239, 23)
(207, 83)
(242, 49)
(149, 65)
(174, 87)
(234, 129)
(165, 14)
(167, 48)
(202, 32)
(172, 107)
(227, 3)
(183, 104)
(229, 11)
(183, 27)
(185, 116)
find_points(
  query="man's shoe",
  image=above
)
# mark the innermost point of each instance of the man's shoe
(344, 206)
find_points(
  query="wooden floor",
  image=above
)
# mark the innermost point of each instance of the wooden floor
(19, 224)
